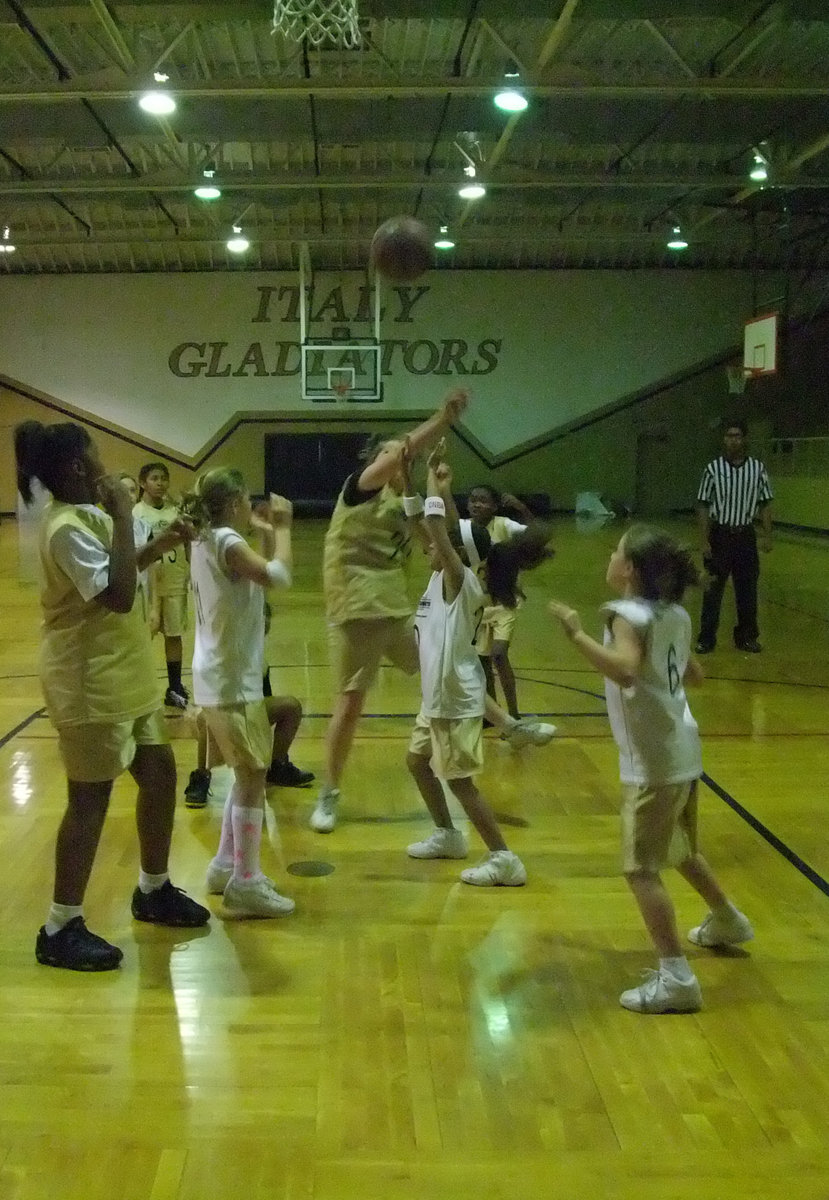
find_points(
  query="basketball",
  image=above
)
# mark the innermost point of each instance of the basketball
(401, 249)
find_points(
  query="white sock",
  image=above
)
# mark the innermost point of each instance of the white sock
(151, 883)
(726, 910)
(60, 915)
(678, 968)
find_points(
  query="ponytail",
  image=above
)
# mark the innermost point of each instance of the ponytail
(505, 560)
(214, 491)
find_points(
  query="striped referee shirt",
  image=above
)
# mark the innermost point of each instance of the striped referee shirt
(734, 493)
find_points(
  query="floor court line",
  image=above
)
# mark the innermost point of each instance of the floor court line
(753, 822)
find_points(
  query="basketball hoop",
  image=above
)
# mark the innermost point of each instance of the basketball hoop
(319, 21)
(341, 390)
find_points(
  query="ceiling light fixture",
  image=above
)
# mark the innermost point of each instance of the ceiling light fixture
(760, 168)
(237, 244)
(444, 242)
(471, 191)
(676, 241)
(6, 246)
(208, 190)
(157, 102)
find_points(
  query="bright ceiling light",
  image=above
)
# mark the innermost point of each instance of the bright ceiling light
(159, 104)
(444, 242)
(676, 241)
(511, 100)
(237, 244)
(472, 191)
(207, 191)
(6, 247)
(760, 169)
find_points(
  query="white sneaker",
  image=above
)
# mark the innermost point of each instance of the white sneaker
(661, 993)
(441, 843)
(728, 930)
(501, 868)
(217, 878)
(529, 733)
(324, 816)
(256, 899)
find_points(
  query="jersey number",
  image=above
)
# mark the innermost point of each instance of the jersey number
(674, 679)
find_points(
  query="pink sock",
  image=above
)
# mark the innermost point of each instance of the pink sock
(247, 834)
(224, 855)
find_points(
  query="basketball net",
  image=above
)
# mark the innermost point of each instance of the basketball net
(342, 390)
(319, 21)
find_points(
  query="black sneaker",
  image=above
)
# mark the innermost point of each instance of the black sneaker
(750, 647)
(168, 905)
(76, 949)
(198, 788)
(285, 774)
(174, 699)
(704, 647)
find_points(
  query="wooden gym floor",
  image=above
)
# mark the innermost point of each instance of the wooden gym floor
(403, 1036)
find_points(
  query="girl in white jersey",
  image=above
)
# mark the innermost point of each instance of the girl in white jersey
(447, 740)
(228, 581)
(646, 660)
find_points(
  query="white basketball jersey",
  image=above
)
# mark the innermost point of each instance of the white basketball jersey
(451, 676)
(652, 724)
(229, 651)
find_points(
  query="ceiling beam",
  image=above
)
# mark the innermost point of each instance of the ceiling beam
(484, 239)
(123, 53)
(110, 185)
(299, 89)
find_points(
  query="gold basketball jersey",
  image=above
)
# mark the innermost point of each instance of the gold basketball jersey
(367, 547)
(95, 665)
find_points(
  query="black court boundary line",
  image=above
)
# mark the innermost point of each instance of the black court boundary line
(24, 724)
(773, 840)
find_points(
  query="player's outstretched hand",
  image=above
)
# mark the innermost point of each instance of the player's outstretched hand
(437, 454)
(179, 531)
(282, 511)
(569, 618)
(115, 498)
(455, 403)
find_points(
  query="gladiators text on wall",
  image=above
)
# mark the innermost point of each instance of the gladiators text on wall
(449, 356)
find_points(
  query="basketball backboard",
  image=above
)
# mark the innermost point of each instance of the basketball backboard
(339, 367)
(760, 346)
(346, 369)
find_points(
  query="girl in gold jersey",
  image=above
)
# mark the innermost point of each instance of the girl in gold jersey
(369, 613)
(100, 688)
(367, 606)
(171, 576)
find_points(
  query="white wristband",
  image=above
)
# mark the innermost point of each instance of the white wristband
(412, 505)
(434, 507)
(278, 573)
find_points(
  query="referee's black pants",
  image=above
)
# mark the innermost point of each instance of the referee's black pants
(734, 553)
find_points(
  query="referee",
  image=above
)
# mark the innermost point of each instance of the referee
(732, 490)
